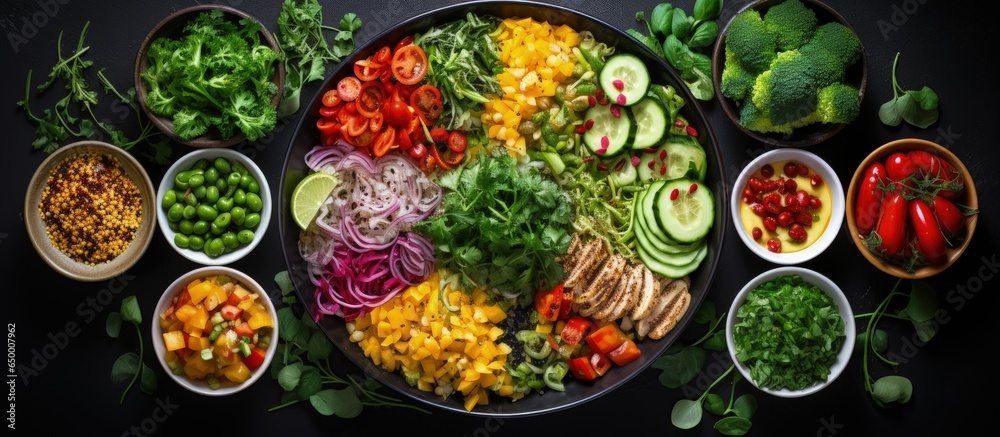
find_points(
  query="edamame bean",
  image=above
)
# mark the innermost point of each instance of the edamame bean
(245, 181)
(230, 241)
(196, 242)
(200, 227)
(211, 175)
(253, 187)
(251, 221)
(222, 184)
(237, 215)
(234, 179)
(169, 199)
(175, 213)
(181, 240)
(222, 165)
(212, 194)
(240, 197)
(225, 204)
(206, 212)
(196, 180)
(190, 199)
(214, 247)
(215, 229)
(245, 236)
(201, 164)
(186, 226)
(254, 203)
(222, 220)
(181, 180)
(190, 212)
(199, 193)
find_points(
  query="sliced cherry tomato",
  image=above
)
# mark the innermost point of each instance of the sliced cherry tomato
(354, 124)
(348, 88)
(418, 150)
(370, 98)
(365, 138)
(383, 55)
(376, 122)
(869, 200)
(948, 215)
(576, 329)
(368, 69)
(439, 135)
(600, 363)
(626, 353)
(457, 141)
(328, 125)
(403, 139)
(409, 64)
(891, 227)
(397, 114)
(329, 111)
(331, 98)
(401, 93)
(384, 142)
(899, 166)
(407, 40)
(433, 152)
(548, 302)
(455, 159)
(930, 239)
(426, 101)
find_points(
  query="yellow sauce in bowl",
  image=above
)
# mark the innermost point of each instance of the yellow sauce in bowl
(821, 216)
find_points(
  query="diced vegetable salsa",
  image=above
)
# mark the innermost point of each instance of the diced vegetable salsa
(216, 330)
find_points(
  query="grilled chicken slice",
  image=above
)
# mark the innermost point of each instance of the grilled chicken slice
(586, 260)
(673, 301)
(574, 246)
(648, 295)
(602, 284)
(626, 293)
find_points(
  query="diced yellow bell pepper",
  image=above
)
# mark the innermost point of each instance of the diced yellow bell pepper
(174, 340)
(260, 320)
(197, 343)
(200, 291)
(238, 372)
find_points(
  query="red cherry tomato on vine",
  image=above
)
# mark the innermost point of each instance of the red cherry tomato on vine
(930, 239)
(927, 164)
(892, 225)
(409, 64)
(869, 200)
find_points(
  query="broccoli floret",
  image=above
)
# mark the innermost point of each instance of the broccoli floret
(838, 103)
(839, 40)
(786, 92)
(754, 119)
(792, 23)
(750, 40)
(824, 67)
(736, 81)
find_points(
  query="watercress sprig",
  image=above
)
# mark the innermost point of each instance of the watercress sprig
(920, 309)
(919, 108)
(130, 367)
(681, 39)
(302, 366)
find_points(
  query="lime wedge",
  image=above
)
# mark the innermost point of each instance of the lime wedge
(309, 196)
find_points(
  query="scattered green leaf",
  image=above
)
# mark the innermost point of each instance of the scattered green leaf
(919, 108)
(129, 366)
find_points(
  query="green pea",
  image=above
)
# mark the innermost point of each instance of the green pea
(196, 242)
(175, 213)
(251, 221)
(254, 203)
(172, 226)
(245, 236)
(225, 204)
(199, 192)
(186, 226)
(222, 220)
(240, 197)
(212, 194)
(200, 227)
(222, 165)
(253, 186)
(201, 164)
(207, 212)
(169, 199)
(230, 241)
(234, 179)
(238, 214)
(214, 247)
(181, 240)
(181, 180)
(196, 180)
(211, 175)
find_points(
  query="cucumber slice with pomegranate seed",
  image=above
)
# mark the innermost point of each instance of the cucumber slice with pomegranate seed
(609, 132)
(625, 79)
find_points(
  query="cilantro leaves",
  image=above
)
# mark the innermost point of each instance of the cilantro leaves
(502, 226)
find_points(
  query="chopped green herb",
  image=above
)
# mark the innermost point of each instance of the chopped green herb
(789, 333)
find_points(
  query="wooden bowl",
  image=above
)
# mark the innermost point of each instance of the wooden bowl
(74, 267)
(172, 27)
(856, 75)
(969, 199)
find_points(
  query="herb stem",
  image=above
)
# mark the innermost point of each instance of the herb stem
(138, 366)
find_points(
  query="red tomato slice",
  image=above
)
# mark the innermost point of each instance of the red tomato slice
(426, 101)
(348, 88)
(397, 114)
(384, 142)
(383, 55)
(370, 98)
(331, 98)
(367, 69)
(548, 302)
(409, 64)
(457, 141)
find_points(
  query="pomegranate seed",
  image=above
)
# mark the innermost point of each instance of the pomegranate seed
(589, 124)
(648, 150)
(602, 166)
(693, 188)
(580, 129)
(601, 151)
(599, 95)
(591, 101)
(692, 131)
(663, 169)
(767, 171)
(616, 111)
(757, 233)
(619, 85)
(815, 203)
(771, 223)
(605, 142)
(663, 155)
(636, 161)
(791, 169)
(679, 123)
(620, 165)
(620, 99)
(774, 245)
(674, 194)
(816, 180)
(588, 159)
(651, 165)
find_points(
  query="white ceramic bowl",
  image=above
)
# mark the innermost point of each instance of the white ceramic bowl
(185, 162)
(167, 299)
(832, 208)
(831, 289)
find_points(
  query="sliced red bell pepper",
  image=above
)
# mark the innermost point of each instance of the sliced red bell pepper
(575, 330)
(606, 338)
(244, 330)
(567, 305)
(255, 359)
(626, 353)
(548, 303)
(600, 363)
(581, 368)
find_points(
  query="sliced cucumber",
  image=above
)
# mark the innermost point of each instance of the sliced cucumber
(671, 271)
(677, 158)
(625, 79)
(685, 208)
(651, 123)
(667, 252)
(609, 133)
(622, 171)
